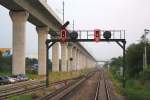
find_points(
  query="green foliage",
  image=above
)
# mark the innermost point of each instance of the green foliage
(145, 75)
(115, 64)
(116, 81)
(134, 59)
(32, 72)
(5, 64)
(21, 97)
(137, 85)
(5, 73)
(0, 55)
(136, 91)
(31, 62)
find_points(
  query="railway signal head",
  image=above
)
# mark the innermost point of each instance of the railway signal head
(107, 35)
(65, 25)
(73, 35)
(97, 35)
(63, 35)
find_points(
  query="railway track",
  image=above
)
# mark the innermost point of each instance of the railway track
(13, 87)
(59, 94)
(97, 89)
(13, 90)
(100, 84)
(3, 87)
(21, 89)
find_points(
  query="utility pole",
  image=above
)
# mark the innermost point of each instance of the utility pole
(63, 11)
(146, 31)
(73, 24)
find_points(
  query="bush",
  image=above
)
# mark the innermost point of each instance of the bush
(114, 70)
(145, 75)
(136, 91)
(32, 72)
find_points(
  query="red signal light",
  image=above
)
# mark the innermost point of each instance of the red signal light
(63, 35)
(97, 35)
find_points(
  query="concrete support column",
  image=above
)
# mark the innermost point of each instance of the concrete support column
(92, 63)
(75, 67)
(81, 60)
(78, 61)
(70, 60)
(86, 65)
(55, 57)
(64, 56)
(42, 36)
(84, 61)
(19, 19)
(89, 63)
(74, 58)
(45, 1)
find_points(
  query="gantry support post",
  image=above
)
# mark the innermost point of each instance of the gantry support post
(47, 58)
(124, 64)
(123, 46)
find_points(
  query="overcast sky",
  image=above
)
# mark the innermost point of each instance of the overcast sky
(130, 15)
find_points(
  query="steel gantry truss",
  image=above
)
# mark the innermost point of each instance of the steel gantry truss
(88, 37)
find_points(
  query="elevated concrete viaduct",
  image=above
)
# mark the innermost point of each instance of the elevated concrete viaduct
(43, 17)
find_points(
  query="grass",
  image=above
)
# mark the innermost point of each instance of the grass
(137, 91)
(4, 73)
(21, 97)
(134, 90)
(58, 76)
(116, 83)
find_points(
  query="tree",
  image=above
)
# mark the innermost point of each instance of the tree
(134, 59)
(31, 61)
(0, 55)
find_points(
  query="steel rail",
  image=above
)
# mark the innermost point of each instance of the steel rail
(24, 90)
(25, 85)
(106, 89)
(66, 90)
(97, 90)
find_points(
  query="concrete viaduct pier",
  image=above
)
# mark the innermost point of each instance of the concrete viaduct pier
(73, 55)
